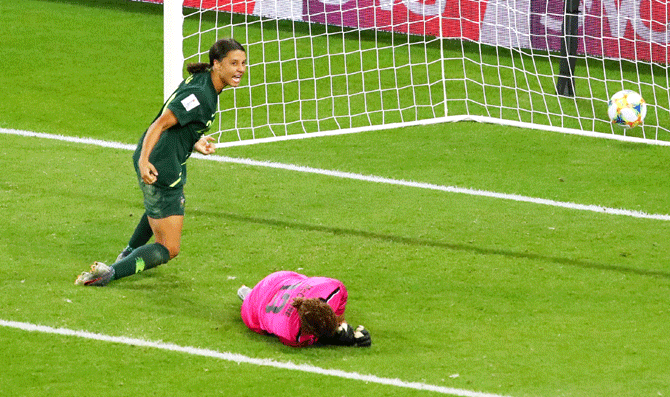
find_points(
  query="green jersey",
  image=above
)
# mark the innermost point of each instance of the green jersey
(194, 103)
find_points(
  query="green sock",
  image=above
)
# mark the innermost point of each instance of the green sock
(142, 233)
(144, 258)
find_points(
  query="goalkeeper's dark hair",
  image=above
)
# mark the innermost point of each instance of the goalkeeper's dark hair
(218, 51)
(316, 317)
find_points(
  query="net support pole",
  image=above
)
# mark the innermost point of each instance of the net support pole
(565, 86)
(173, 54)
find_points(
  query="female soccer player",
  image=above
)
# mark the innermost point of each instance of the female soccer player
(300, 310)
(160, 162)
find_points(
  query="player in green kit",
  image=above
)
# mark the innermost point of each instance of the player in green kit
(160, 162)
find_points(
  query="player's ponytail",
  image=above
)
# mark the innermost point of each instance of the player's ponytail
(316, 317)
(198, 67)
(218, 51)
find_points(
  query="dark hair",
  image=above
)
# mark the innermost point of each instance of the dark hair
(316, 317)
(218, 51)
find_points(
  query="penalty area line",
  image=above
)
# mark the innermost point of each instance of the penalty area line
(241, 359)
(360, 177)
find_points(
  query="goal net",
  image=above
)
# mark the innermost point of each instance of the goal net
(337, 66)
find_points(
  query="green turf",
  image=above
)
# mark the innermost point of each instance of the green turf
(474, 293)
(507, 295)
(75, 67)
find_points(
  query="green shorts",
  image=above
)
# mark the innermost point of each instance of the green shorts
(162, 202)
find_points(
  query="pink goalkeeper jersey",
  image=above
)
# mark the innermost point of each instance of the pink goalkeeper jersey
(267, 308)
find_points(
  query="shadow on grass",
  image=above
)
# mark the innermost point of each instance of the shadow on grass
(120, 5)
(431, 243)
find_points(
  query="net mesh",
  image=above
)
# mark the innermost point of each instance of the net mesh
(321, 65)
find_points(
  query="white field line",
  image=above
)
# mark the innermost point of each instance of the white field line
(367, 178)
(241, 359)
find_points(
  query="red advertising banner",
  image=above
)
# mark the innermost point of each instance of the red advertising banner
(237, 6)
(441, 18)
(629, 29)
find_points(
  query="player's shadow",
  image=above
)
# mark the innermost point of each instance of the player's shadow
(431, 243)
(115, 5)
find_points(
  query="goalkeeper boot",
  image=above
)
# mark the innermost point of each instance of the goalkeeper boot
(100, 275)
(243, 292)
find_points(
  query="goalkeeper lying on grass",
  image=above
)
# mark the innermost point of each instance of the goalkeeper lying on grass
(300, 310)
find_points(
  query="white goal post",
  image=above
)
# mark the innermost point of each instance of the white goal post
(173, 51)
(321, 67)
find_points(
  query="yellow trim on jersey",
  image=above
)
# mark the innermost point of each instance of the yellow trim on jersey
(177, 181)
(168, 102)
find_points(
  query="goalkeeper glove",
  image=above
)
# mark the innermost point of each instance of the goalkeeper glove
(344, 335)
(362, 337)
(347, 336)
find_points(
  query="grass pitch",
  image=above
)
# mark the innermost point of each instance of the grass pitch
(471, 293)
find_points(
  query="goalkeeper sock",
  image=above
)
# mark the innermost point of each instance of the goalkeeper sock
(141, 235)
(143, 258)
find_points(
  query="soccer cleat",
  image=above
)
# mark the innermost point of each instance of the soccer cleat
(100, 275)
(243, 292)
(123, 254)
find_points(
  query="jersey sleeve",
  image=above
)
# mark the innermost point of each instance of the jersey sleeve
(340, 302)
(189, 106)
(332, 291)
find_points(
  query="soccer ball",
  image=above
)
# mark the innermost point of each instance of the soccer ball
(627, 109)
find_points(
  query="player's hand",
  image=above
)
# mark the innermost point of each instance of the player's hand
(148, 172)
(205, 145)
(344, 335)
(362, 337)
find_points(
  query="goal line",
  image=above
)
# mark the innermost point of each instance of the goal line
(447, 119)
